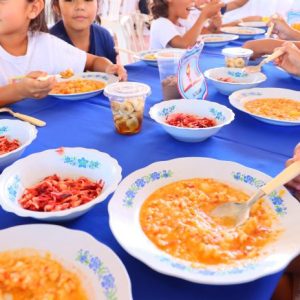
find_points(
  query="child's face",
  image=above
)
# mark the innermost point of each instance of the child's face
(181, 7)
(14, 16)
(78, 14)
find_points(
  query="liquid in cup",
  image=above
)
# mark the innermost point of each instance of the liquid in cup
(168, 61)
(127, 101)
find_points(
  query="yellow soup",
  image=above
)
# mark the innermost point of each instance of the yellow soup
(278, 108)
(176, 218)
(27, 275)
(77, 86)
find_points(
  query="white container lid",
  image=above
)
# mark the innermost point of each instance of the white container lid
(237, 52)
(127, 90)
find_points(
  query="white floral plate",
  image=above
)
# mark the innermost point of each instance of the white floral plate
(98, 76)
(239, 98)
(103, 275)
(243, 32)
(125, 205)
(148, 57)
(218, 40)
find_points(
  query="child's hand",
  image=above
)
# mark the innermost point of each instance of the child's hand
(290, 60)
(212, 9)
(295, 183)
(281, 27)
(31, 87)
(118, 70)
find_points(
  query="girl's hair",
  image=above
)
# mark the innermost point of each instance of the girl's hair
(159, 8)
(39, 23)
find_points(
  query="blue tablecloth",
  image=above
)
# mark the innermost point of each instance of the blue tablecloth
(89, 124)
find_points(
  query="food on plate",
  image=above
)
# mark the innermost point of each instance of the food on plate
(54, 193)
(276, 108)
(213, 39)
(128, 114)
(238, 62)
(189, 121)
(226, 79)
(8, 145)
(150, 56)
(28, 275)
(177, 219)
(77, 86)
(67, 73)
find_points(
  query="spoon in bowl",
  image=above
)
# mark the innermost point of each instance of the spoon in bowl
(240, 212)
(269, 58)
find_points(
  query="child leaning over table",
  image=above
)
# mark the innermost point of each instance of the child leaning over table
(78, 28)
(166, 29)
(289, 285)
(26, 49)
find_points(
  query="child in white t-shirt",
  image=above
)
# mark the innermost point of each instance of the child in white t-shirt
(25, 49)
(166, 29)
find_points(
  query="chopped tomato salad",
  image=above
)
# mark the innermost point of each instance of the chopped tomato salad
(189, 121)
(7, 145)
(55, 194)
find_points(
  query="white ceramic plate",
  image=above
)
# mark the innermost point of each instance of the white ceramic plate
(24, 132)
(102, 273)
(217, 40)
(220, 113)
(239, 98)
(66, 163)
(240, 80)
(125, 205)
(146, 57)
(255, 24)
(103, 77)
(243, 32)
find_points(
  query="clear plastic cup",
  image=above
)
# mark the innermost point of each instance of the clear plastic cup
(127, 101)
(168, 60)
(237, 57)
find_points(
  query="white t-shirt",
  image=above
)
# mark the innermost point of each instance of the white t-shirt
(163, 31)
(45, 52)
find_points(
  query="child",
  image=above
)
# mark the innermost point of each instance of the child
(77, 27)
(166, 30)
(26, 49)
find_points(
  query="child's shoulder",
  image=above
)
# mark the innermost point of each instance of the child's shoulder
(100, 31)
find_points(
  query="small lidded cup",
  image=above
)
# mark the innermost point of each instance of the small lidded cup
(237, 57)
(127, 101)
(168, 62)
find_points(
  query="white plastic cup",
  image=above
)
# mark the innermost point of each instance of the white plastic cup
(127, 101)
(168, 61)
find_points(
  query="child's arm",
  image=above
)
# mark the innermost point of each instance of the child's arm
(191, 36)
(102, 64)
(265, 46)
(28, 87)
(283, 30)
(232, 5)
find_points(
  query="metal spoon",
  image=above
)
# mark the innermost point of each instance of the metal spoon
(23, 117)
(255, 69)
(239, 212)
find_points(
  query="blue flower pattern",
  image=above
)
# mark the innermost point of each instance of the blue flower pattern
(141, 183)
(105, 278)
(217, 114)
(3, 129)
(81, 162)
(209, 273)
(166, 111)
(275, 197)
(13, 188)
